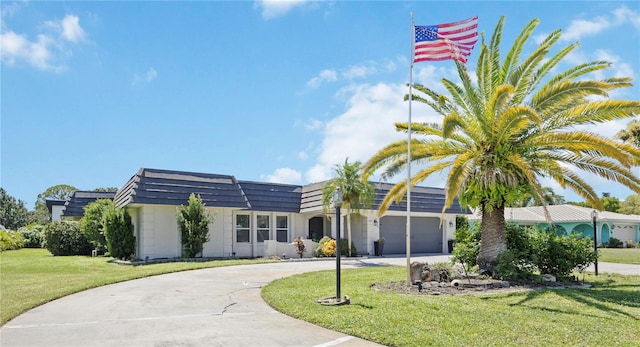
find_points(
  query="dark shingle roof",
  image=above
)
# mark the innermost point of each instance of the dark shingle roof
(74, 207)
(53, 202)
(423, 199)
(164, 187)
(272, 196)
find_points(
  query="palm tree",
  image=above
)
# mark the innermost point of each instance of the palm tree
(516, 124)
(356, 193)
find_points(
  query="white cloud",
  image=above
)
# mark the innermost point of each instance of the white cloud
(365, 127)
(71, 29)
(283, 175)
(302, 155)
(582, 27)
(15, 48)
(588, 27)
(313, 125)
(623, 15)
(47, 51)
(327, 75)
(146, 78)
(358, 71)
(277, 8)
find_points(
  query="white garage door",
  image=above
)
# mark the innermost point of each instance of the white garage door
(426, 236)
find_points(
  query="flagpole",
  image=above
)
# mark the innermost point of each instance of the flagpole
(408, 232)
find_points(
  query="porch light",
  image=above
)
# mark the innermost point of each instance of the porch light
(337, 198)
(594, 217)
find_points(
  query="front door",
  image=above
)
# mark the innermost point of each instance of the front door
(316, 228)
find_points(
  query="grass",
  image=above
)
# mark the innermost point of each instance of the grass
(32, 277)
(619, 255)
(606, 315)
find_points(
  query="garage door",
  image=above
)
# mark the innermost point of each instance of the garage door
(426, 236)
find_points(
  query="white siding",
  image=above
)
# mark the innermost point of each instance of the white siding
(56, 212)
(215, 247)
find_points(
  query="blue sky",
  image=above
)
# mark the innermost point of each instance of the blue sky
(265, 90)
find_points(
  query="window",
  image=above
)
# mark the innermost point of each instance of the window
(282, 228)
(263, 230)
(243, 228)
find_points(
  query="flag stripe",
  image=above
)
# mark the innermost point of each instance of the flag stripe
(446, 41)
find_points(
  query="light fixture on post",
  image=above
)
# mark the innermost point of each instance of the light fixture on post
(594, 217)
(336, 202)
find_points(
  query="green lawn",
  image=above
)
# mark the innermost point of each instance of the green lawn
(619, 255)
(32, 277)
(606, 315)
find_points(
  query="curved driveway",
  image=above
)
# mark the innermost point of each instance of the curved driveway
(208, 307)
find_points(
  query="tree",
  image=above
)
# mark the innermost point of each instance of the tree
(92, 223)
(549, 196)
(41, 213)
(512, 125)
(610, 203)
(193, 222)
(630, 205)
(356, 192)
(106, 189)
(118, 231)
(631, 133)
(13, 213)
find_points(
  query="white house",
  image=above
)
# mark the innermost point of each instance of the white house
(248, 213)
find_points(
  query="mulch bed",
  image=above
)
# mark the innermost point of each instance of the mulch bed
(476, 287)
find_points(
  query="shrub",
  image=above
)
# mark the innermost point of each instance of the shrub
(65, 238)
(193, 223)
(92, 223)
(10, 240)
(467, 246)
(613, 242)
(329, 248)
(560, 255)
(118, 231)
(298, 242)
(319, 252)
(344, 248)
(517, 263)
(33, 235)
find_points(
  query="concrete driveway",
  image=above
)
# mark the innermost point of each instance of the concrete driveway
(208, 307)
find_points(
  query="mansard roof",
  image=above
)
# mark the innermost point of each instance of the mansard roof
(165, 187)
(78, 199)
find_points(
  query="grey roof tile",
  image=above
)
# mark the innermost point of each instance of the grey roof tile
(74, 206)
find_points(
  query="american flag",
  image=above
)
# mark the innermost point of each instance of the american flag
(446, 41)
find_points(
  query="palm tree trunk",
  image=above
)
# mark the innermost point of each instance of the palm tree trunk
(494, 238)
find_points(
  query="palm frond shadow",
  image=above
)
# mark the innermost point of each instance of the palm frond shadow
(595, 297)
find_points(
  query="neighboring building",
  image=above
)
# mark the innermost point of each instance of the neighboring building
(73, 208)
(575, 219)
(56, 207)
(247, 213)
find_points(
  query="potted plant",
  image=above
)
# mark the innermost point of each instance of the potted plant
(378, 246)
